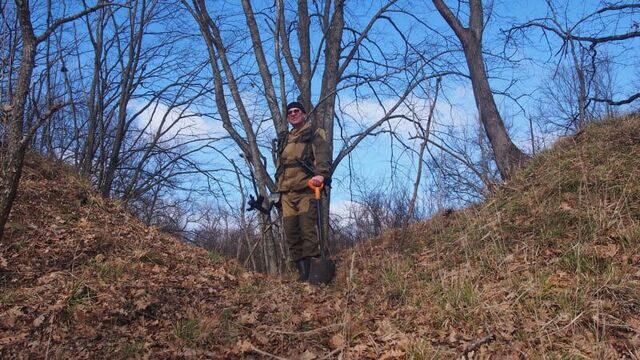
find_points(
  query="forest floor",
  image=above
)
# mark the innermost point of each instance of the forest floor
(547, 267)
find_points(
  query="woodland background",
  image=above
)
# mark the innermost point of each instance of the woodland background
(171, 107)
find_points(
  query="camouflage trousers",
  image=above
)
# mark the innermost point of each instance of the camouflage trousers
(299, 220)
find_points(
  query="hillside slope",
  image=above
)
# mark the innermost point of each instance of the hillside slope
(548, 267)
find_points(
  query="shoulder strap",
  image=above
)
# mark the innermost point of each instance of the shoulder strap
(281, 142)
(307, 136)
(307, 139)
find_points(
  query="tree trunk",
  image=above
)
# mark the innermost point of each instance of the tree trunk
(582, 88)
(14, 157)
(17, 137)
(304, 43)
(423, 146)
(326, 105)
(507, 155)
(246, 139)
(129, 83)
(93, 102)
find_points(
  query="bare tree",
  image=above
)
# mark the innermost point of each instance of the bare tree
(95, 99)
(18, 135)
(137, 101)
(139, 18)
(582, 42)
(423, 132)
(9, 50)
(339, 59)
(464, 173)
(507, 155)
(52, 83)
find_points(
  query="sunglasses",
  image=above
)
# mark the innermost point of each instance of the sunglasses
(293, 111)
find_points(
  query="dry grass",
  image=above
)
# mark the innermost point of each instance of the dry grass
(550, 264)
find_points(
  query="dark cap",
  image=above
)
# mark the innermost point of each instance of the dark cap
(295, 105)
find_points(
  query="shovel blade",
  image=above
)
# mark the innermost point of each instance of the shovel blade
(322, 271)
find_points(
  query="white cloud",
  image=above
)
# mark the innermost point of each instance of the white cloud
(458, 110)
(342, 209)
(174, 122)
(368, 112)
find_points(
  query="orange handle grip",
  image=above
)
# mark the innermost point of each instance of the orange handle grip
(316, 189)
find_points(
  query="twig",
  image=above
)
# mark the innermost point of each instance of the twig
(255, 349)
(252, 250)
(476, 344)
(46, 353)
(308, 332)
(603, 324)
(345, 315)
(568, 325)
(574, 320)
(519, 297)
(332, 353)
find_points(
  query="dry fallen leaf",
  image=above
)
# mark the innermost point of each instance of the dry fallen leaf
(243, 346)
(260, 338)
(10, 317)
(385, 327)
(606, 251)
(307, 315)
(248, 318)
(403, 342)
(336, 341)
(634, 322)
(308, 355)
(454, 337)
(392, 354)
(189, 353)
(560, 279)
(246, 276)
(38, 321)
(565, 206)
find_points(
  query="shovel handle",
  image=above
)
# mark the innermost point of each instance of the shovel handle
(316, 189)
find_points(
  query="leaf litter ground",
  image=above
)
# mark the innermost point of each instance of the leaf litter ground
(548, 267)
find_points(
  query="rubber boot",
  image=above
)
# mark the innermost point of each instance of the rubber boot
(307, 267)
(303, 269)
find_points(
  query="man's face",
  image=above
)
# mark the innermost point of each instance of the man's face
(295, 117)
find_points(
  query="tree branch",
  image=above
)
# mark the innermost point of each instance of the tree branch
(67, 19)
(629, 100)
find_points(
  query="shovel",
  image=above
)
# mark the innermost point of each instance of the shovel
(322, 270)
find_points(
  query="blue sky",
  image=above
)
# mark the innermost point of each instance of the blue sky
(372, 159)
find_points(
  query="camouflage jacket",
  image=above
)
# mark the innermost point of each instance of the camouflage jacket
(305, 147)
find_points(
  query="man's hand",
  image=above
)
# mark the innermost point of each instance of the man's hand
(317, 180)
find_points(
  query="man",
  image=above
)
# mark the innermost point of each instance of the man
(305, 157)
